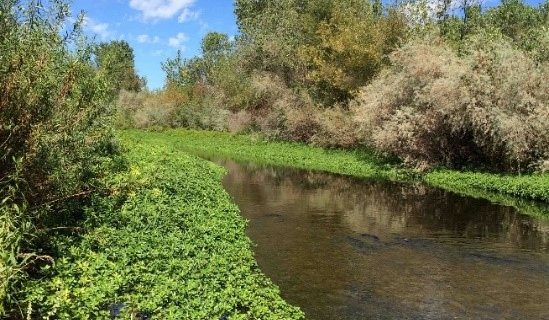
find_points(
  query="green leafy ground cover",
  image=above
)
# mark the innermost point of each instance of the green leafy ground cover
(167, 244)
(528, 193)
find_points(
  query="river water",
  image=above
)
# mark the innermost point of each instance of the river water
(346, 248)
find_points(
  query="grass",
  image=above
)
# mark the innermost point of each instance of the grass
(167, 243)
(528, 193)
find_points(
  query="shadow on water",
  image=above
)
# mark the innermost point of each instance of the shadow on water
(346, 248)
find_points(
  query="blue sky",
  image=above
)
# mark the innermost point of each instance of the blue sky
(156, 29)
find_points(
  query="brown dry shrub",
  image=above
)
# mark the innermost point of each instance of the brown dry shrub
(271, 92)
(238, 122)
(287, 123)
(301, 124)
(128, 103)
(336, 129)
(173, 107)
(488, 108)
(146, 109)
(282, 113)
(154, 113)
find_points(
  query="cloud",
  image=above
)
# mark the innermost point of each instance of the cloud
(160, 9)
(188, 15)
(101, 29)
(145, 38)
(178, 40)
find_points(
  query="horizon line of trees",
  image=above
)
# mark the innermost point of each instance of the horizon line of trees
(434, 83)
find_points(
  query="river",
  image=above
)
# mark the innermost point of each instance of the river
(346, 248)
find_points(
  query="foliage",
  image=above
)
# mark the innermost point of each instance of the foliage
(512, 190)
(55, 136)
(474, 98)
(349, 49)
(170, 107)
(336, 129)
(358, 162)
(329, 48)
(272, 32)
(170, 244)
(116, 60)
(523, 25)
(534, 187)
(526, 26)
(487, 108)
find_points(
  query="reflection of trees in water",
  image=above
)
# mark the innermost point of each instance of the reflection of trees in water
(382, 208)
(300, 222)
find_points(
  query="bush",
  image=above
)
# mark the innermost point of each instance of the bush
(487, 108)
(128, 105)
(55, 137)
(336, 129)
(239, 122)
(280, 112)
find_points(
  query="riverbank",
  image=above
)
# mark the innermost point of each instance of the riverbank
(528, 193)
(168, 243)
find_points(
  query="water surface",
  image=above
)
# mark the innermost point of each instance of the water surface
(346, 248)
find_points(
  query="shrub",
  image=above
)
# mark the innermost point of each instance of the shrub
(128, 104)
(238, 122)
(487, 108)
(336, 129)
(55, 137)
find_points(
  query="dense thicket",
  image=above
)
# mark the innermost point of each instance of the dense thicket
(55, 137)
(486, 109)
(435, 83)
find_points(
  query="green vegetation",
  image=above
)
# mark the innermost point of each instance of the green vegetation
(343, 86)
(359, 163)
(434, 83)
(116, 60)
(535, 187)
(168, 242)
(506, 189)
(56, 137)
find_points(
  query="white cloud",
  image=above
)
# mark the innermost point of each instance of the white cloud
(188, 15)
(145, 38)
(178, 40)
(160, 9)
(101, 29)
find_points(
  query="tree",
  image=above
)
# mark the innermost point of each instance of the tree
(116, 59)
(349, 47)
(271, 33)
(216, 44)
(331, 48)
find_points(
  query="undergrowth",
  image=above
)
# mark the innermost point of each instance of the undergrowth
(167, 244)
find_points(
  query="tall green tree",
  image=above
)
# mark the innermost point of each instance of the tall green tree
(329, 47)
(116, 59)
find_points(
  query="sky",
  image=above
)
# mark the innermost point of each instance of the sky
(156, 29)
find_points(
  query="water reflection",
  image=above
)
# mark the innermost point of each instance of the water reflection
(343, 248)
